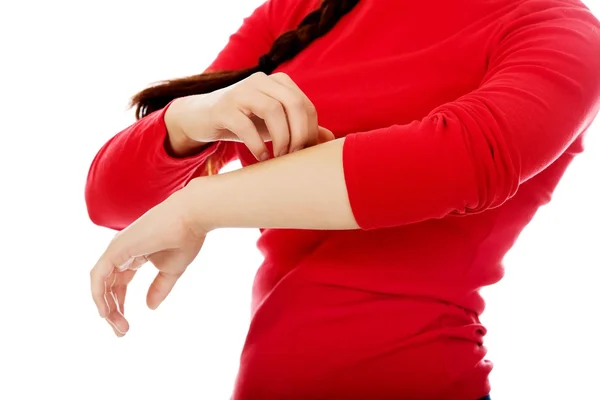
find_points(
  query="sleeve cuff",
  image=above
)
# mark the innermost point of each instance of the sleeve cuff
(405, 174)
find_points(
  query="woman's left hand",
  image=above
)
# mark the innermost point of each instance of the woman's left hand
(163, 236)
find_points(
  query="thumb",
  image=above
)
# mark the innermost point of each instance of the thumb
(160, 289)
(325, 135)
(170, 265)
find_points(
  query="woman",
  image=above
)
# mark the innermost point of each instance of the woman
(442, 127)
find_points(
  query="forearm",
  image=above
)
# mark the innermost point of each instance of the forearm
(302, 190)
(117, 189)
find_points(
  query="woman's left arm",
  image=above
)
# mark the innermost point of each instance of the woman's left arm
(302, 190)
(541, 92)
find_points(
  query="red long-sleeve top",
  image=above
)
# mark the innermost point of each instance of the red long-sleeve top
(460, 118)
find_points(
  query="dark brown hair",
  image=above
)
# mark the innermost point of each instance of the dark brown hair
(285, 47)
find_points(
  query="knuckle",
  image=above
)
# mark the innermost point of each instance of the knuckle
(246, 126)
(311, 109)
(229, 96)
(282, 75)
(296, 102)
(244, 129)
(257, 76)
(272, 107)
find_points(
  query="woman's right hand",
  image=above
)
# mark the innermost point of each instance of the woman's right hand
(258, 109)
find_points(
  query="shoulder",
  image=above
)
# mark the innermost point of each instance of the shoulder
(561, 26)
(286, 15)
(558, 41)
(557, 13)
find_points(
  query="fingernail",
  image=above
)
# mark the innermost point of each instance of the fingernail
(264, 156)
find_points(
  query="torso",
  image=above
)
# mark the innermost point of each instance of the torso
(395, 308)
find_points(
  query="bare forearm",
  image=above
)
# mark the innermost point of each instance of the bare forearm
(302, 190)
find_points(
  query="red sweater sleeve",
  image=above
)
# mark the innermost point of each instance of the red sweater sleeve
(541, 91)
(132, 172)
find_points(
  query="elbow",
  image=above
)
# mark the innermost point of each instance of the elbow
(100, 202)
(98, 205)
(485, 164)
(96, 193)
(94, 209)
(92, 193)
(490, 180)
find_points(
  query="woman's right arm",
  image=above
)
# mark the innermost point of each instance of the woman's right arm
(145, 163)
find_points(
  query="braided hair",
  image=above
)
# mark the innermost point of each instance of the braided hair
(284, 48)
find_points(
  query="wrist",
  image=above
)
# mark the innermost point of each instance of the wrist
(177, 143)
(200, 209)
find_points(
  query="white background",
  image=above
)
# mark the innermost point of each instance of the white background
(67, 71)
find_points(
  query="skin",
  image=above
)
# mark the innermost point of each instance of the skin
(171, 234)
(258, 109)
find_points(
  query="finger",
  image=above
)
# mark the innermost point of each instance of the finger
(119, 288)
(110, 303)
(295, 110)
(119, 294)
(172, 265)
(134, 241)
(114, 327)
(241, 125)
(160, 289)
(273, 114)
(310, 133)
(325, 135)
(115, 318)
(98, 281)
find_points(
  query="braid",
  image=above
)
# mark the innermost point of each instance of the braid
(287, 46)
(312, 27)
